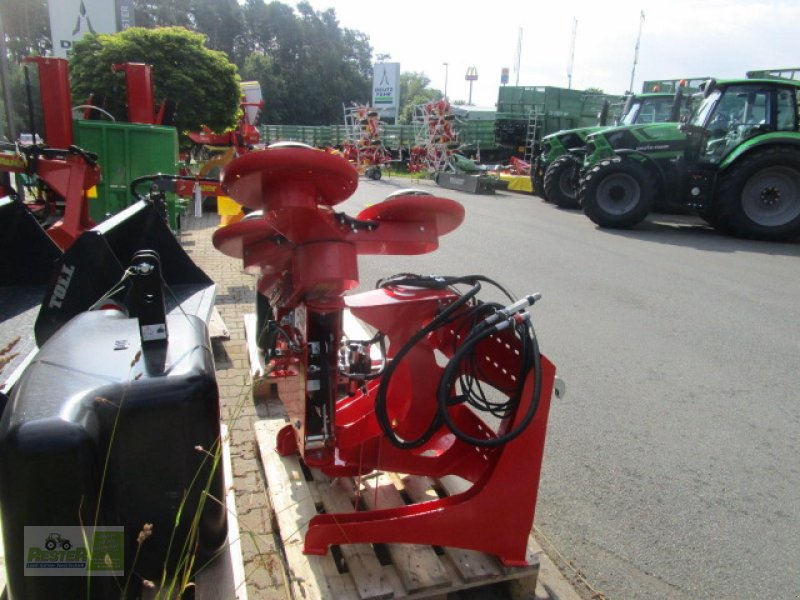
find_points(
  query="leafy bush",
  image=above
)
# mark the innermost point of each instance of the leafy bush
(203, 83)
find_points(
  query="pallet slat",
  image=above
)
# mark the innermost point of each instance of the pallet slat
(418, 566)
(472, 566)
(360, 558)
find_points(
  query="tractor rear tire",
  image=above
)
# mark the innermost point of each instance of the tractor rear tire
(561, 181)
(759, 196)
(617, 193)
(537, 181)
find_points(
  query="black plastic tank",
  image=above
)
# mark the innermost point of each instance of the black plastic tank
(97, 408)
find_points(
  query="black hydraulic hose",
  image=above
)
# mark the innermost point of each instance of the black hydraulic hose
(450, 374)
(381, 412)
(438, 282)
(90, 158)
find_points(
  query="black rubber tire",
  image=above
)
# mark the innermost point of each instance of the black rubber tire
(617, 193)
(758, 196)
(561, 181)
(537, 181)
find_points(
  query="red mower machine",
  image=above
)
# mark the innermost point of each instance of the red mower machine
(462, 389)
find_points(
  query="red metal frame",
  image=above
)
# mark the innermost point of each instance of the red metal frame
(242, 138)
(306, 256)
(139, 90)
(56, 100)
(69, 177)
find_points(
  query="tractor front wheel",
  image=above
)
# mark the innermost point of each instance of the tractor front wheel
(759, 196)
(617, 193)
(561, 181)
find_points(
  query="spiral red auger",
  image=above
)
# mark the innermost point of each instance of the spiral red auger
(305, 255)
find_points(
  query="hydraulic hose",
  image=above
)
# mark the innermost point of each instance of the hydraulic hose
(381, 412)
(477, 326)
(531, 359)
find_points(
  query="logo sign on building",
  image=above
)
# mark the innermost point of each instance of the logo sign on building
(70, 20)
(504, 76)
(386, 87)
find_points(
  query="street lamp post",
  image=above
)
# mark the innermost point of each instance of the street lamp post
(445, 79)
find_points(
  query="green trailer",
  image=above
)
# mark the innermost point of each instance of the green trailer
(126, 151)
(526, 114)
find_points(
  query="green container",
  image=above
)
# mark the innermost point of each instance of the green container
(126, 151)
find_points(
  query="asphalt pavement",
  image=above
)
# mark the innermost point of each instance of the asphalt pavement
(672, 467)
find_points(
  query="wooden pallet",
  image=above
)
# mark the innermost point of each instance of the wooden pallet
(373, 571)
(258, 368)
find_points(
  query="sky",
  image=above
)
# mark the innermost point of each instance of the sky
(680, 38)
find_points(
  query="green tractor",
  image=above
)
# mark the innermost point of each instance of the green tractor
(735, 162)
(556, 169)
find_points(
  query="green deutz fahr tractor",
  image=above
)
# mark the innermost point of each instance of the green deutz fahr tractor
(555, 171)
(735, 162)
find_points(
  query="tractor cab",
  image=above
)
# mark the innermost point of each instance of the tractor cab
(649, 108)
(735, 115)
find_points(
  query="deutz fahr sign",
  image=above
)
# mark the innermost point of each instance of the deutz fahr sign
(386, 87)
(70, 20)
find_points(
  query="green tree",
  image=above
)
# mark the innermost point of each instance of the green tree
(203, 83)
(307, 64)
(222, 21)
(163, 13)
(27, 27)
(414, 90)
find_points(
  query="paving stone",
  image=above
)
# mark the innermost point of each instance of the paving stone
(235, 298)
